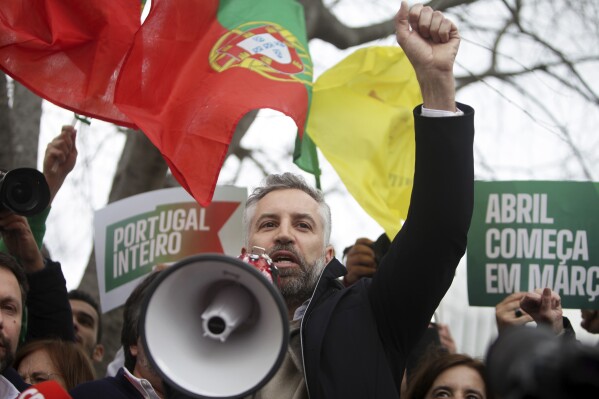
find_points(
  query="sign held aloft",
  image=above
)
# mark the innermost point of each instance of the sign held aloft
(534, 234)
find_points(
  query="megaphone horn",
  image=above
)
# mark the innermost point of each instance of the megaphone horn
(214, 327)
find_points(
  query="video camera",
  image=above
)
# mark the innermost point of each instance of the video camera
(532, 363)
(24, 191)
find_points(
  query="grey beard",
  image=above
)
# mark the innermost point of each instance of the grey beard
(299, 288)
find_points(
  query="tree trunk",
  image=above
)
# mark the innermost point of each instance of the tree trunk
(20, 113)
(25, 122)
(141, 168)
(6, 158)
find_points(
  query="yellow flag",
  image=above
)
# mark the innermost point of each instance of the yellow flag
(361, 119)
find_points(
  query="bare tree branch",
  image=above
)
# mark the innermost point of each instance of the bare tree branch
(322, 24)
(463, 81)
(565, 133)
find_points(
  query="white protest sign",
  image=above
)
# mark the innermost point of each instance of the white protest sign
(133, 235)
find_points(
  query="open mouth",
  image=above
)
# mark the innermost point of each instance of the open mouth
(284, 259)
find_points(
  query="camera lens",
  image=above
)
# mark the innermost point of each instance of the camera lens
(20, 193)
(24, 191)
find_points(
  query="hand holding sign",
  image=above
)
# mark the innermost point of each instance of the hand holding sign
(545, 307)
(506, 312)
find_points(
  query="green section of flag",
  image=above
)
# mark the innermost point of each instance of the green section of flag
(305, 156)
(287, 13)
(290, 15)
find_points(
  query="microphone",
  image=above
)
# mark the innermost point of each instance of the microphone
(45, 390)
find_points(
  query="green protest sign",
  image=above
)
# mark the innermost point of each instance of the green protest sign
(534, 234)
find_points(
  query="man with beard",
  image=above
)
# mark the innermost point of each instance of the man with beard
(137, 380)
(47, 307)
(353, 342)
(13, 293)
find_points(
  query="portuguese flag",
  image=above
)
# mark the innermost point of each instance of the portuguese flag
(185, 77)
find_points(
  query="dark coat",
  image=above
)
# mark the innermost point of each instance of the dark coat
(117, 387)
(356, 340)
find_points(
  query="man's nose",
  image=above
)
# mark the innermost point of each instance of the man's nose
(284, 235)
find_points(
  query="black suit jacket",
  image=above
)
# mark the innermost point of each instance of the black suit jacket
(355, 341)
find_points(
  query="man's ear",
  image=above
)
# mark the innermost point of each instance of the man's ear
(98, 353)
(329, 253)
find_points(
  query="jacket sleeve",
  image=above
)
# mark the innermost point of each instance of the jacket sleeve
(416, 272)
(48, 310)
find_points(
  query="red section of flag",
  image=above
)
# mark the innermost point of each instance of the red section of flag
(186, 108)
(69, 51)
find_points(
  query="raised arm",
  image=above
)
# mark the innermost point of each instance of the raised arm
(60, 158)
(419, 267)
(431, 42)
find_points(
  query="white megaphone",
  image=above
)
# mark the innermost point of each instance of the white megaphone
(214, 327)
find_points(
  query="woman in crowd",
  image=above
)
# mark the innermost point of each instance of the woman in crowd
(52, 359)
(447, 375)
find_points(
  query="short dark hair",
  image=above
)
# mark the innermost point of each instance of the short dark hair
(435, 364)
(84, 296)
(9, 263)
(131, 314)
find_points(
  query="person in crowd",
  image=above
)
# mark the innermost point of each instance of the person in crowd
(538, 363)
(449, 375)
(44, 312)
(353, 342)
(13, 296)
(590, 320)
(47, 303)
(363, 257)
(53, 359)
(542, 306)
(137, 379)
(59, 160)
(87, 320)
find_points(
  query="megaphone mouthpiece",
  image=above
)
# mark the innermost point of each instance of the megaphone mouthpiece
(230, 308)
